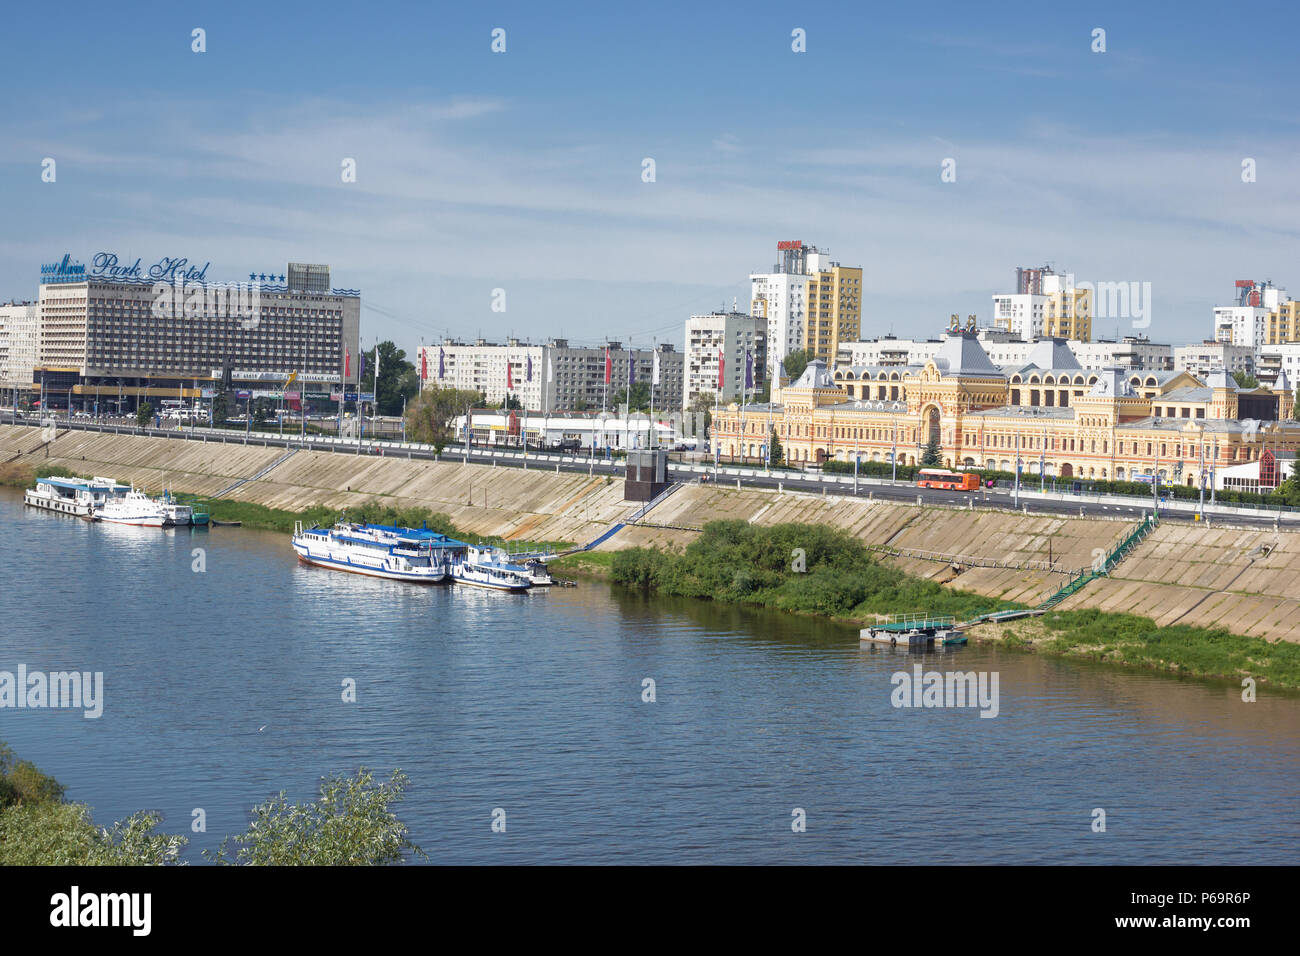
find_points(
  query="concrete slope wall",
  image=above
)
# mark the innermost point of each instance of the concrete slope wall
(1241, 580)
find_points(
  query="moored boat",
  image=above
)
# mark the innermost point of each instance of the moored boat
(80, 497)
(490, 568)
(398, 554)
(133, 508)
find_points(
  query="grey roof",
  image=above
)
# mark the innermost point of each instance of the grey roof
(962, 354)
(1113, 383)
(872, 370)
(1161, 376)
(1219, 378)
(1024, 411)
(869, 405)
(1283, 384)
(1187, 393)
(1053, 354)
(814, 376)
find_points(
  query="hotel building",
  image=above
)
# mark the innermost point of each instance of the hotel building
(1050, 414)
(165, 331)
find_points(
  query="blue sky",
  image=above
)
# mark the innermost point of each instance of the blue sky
(522, 170)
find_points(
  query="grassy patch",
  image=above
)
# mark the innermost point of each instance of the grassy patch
(375, 511)
(1195, 651)
(807, 569)
(592, 564)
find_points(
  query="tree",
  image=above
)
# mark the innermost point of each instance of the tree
(640, 400)
(144, 415)
(776, 452)
(1245, 380)
(261, 410)
(796, 362)
(429, 418)
(397, 379)
(932, 454)
(702, 404)
(351, 824)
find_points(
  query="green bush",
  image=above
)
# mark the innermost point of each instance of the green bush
(809, 569)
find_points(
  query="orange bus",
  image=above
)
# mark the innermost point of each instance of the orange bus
(951, 480)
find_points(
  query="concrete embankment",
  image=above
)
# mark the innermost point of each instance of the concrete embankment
(1236, 579)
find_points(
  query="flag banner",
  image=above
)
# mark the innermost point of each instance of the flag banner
(424, 365)
(528, 374)
(442, 364)
(654, 373)
(550, 371)
(609, 367)
(510, 379)
(361, 365)
(347, 363)
(722, 366)
(631, 372)
(749, 369)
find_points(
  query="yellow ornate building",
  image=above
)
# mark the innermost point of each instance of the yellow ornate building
(1050, 414)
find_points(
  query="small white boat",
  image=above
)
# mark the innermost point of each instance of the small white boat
(175, 514)
(489, 568)
(539, 574)
(134, 508)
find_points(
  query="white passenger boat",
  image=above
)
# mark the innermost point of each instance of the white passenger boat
(64, 495)
(490, 568)
(135, 508)
(81, 497)
(380, 551)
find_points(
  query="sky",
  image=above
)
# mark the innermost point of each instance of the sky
(523, 170)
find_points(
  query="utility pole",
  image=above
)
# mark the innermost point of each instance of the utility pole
(1015, 498)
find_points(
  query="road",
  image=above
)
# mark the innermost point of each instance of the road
(997, 497)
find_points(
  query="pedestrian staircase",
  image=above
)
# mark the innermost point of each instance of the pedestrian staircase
(265, 471)
(1105, 566)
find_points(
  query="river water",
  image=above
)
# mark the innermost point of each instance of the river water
(225, 685)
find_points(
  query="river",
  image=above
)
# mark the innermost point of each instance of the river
(224, 685)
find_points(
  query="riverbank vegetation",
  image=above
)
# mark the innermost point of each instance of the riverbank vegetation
(805, 568)
(1135, 641)
(813, 569)
(351, 823)
(375, 511)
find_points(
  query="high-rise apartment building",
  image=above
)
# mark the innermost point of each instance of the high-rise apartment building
(809, 301)
(834, 306)
(736, 341)
(555, 376)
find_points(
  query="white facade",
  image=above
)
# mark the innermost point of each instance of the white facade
(1240, 325)
(1005, 350)
(1203, 357)
(1271, 359)
(590, 431)
(20, 342)
(736, 335)
(1020, 314)
(481, 367)
(782, 299)
(1129, 352)
(561, 377)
